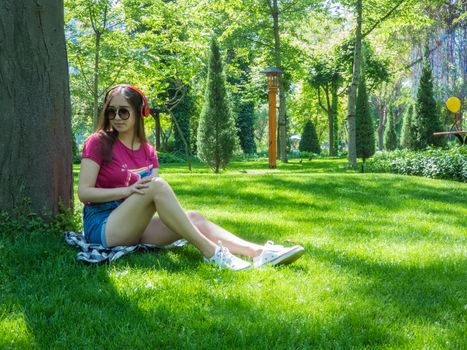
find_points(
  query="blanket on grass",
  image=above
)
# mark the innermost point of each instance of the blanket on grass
(96, 253)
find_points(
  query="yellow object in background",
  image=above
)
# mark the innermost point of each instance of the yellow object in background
(453, 104)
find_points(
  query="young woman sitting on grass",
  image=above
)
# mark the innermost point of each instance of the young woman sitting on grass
(121, 189)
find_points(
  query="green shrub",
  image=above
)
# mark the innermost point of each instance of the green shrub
(166, 157)
(435, 163)
(309, 141)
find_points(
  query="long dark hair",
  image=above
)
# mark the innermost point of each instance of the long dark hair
(107, 134)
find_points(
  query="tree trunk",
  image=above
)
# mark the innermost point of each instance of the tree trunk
(335, 123)
(382, 116)
(353, 87)
(281, 124)
(330, 121)
(95, 87)
(182, 136)
(35, 146)
(157, 119)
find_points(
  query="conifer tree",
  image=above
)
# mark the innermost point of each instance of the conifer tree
(408, 132)
(245, 121)
(217, 134)
(427, 118)
(390, 136)
(309, 141)
(365, 133)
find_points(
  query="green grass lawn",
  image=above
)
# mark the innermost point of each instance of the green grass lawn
(385, 267)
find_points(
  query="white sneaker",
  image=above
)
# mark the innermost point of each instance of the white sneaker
(224, 259)
(276, 254)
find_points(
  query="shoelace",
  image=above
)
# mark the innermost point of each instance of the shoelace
(223, 254)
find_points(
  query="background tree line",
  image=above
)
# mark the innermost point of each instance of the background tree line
(325, 48)
(162, 47)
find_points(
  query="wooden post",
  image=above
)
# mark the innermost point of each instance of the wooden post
(273, 85)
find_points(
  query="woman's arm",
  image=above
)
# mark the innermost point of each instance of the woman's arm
(87, 192)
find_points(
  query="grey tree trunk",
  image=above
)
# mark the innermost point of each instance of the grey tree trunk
(330, 112)
(35, 143)
(382, 120)
(334, 139)
(281, 123)
(353, 88)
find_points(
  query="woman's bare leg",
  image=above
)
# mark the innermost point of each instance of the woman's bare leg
(215, 233)
(128, 222)
(158, 233)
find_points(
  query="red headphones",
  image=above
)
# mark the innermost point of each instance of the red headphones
(144, 107)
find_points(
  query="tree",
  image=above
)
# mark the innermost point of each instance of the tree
(408, 132)
(238, 77)
(365, 133)
(390, 136)
(359, 36)
(35, 148)
(351, 114)
(427, 119)
(182, 113)
(309, 141)
(97, 42)
(325, 75)
(245, 119)
(217, 136)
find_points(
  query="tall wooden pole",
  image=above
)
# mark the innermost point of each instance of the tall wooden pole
(272, 126)
(273, 75)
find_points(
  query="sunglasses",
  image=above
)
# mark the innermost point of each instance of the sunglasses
(123, 112)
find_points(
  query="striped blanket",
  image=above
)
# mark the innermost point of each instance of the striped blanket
(96, 253)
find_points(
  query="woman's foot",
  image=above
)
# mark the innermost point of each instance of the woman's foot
(273, 254)
(226, 260)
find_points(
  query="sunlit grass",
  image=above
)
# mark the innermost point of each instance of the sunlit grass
(385, 267)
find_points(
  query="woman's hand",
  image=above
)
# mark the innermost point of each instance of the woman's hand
(138, 186)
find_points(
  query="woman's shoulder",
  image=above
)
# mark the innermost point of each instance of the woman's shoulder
(148, 147)
(96, 136)
(96, 141)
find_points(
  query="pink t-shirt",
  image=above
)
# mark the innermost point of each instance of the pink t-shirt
(127, 166)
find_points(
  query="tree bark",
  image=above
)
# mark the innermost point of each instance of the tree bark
(353, 88)
(282, 123)
(35, 146)
(382, 120)
(335, 127)
(330, 121)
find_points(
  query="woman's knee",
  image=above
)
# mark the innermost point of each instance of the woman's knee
(158, 187)
(195, 217)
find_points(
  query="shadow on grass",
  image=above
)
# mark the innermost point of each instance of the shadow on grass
(67, 304)
(323, 194)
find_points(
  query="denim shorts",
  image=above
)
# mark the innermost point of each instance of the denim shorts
(95, 218)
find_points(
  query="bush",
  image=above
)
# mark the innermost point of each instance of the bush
(435, 163)
(165, 157)
(309, 141)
